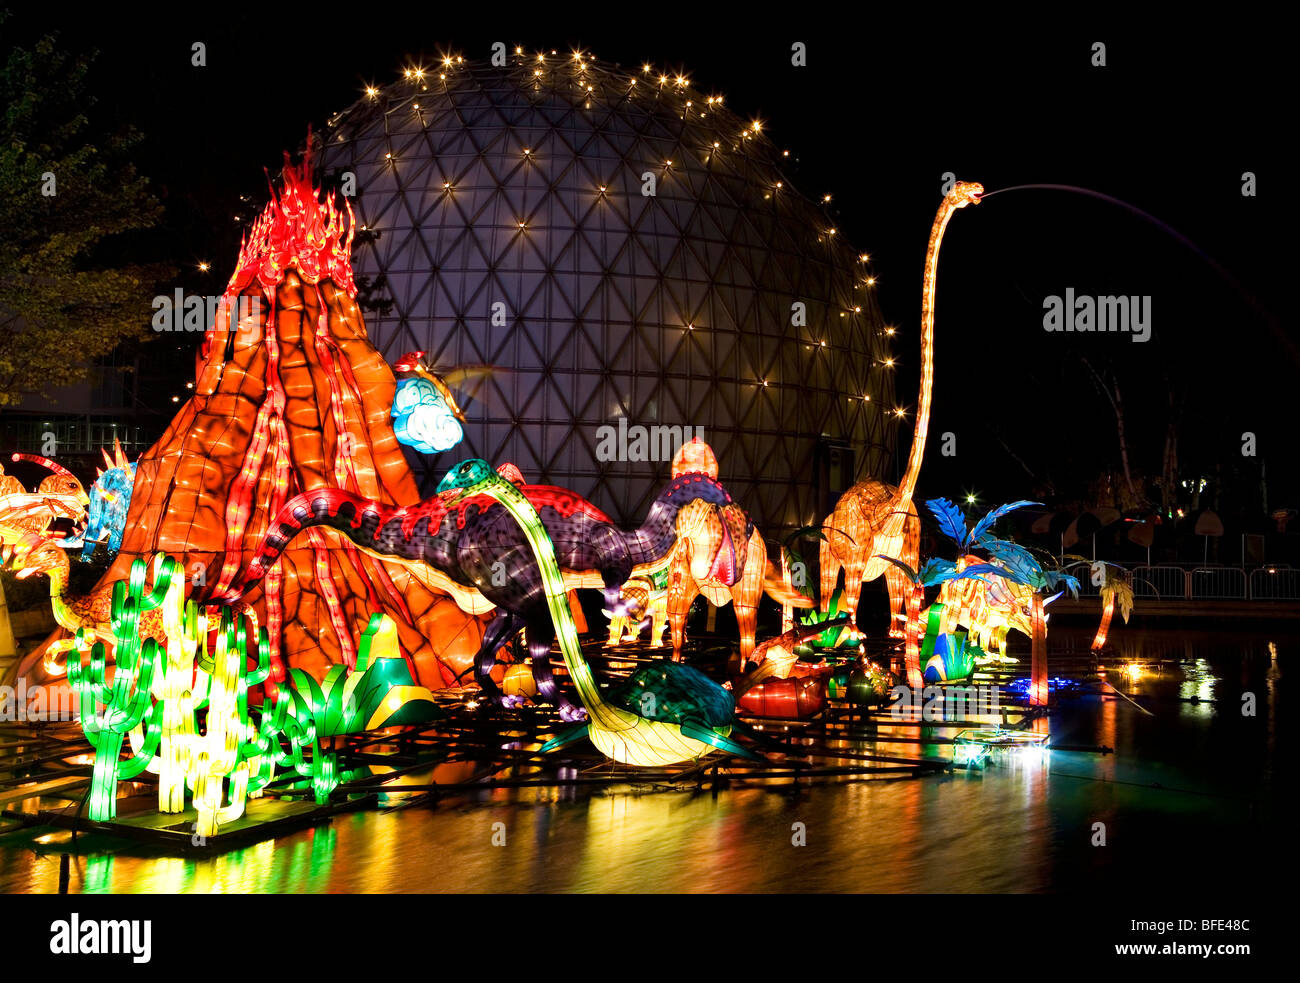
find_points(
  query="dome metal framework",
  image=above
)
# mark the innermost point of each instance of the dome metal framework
(619, 246)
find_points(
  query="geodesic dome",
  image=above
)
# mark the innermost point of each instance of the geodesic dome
(619, 245)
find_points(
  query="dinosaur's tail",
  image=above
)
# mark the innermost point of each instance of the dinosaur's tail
(778, 590)
(777, 656)
(385, 530)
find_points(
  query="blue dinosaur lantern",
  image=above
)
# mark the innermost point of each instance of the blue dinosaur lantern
(110, 500)
(425, 414)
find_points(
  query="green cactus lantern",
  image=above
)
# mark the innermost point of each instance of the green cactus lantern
(109, 710)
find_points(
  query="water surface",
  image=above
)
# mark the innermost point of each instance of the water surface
(1190, 799)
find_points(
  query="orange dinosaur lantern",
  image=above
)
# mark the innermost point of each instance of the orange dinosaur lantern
(716, 558)
(873, 519)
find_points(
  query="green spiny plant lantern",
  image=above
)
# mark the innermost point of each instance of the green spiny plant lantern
(108, 711)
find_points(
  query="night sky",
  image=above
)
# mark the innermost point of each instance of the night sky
(883, 109)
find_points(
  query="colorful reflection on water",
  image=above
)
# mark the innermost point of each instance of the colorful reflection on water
(1186, 791)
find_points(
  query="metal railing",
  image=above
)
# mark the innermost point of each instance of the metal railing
(1190, 582)
(1160, 582)
(1275, 584)
(1217, 583)
(1166, 582)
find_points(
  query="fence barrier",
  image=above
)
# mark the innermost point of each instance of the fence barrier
(1275, 584)
(1167, 582)
(1217, 582)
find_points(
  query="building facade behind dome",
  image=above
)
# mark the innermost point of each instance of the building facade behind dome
(502, 211)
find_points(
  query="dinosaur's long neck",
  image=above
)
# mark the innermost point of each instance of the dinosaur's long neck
(65, 615)
(556, 597)
(908, 484)
(654, 539)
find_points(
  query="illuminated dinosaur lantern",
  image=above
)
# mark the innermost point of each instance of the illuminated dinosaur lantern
(874, 519)
(989, 607)
(664, 713)
(699, 559)
(646, 605)
(110, 500)
(89, 616)
(27, 517)
(425, 414)
(474, 542)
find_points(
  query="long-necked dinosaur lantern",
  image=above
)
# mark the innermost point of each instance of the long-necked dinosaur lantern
(873, 519)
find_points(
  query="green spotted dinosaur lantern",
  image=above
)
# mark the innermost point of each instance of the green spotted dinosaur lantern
(664, 713)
